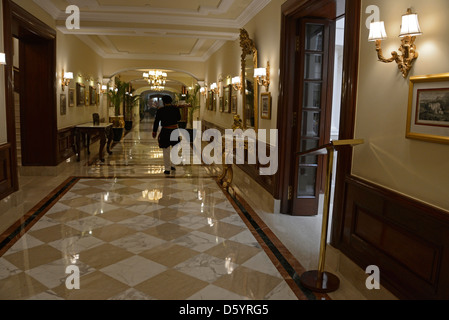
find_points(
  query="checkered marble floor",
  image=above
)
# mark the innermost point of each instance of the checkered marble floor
(141, 239)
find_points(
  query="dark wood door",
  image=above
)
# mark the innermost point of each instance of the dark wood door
(314, 84)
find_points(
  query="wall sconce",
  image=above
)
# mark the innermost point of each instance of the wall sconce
(203, 91)
(2, 59)
(104, 89)
(66, 78)
(215, 88)
(237, 83)
(409, 30)
(263, 76)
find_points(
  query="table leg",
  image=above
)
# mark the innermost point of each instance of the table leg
(88, 143)
(110, 136)
(78, 145)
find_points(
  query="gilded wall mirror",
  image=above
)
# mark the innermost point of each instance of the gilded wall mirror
(250, 87)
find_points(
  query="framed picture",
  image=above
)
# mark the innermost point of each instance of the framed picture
(234, 104)
(221, 103)
(428, 108)
(210, 100)
(265, 106)
(92, 96)
(80, 95)
(63, 104)
(71, 97)
(227, 98)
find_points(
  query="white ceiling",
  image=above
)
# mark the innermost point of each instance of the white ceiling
(181, 30)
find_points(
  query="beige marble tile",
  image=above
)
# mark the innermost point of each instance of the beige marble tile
(171, 285)
(234, 251)
(168, 231)
(33, 257)
(19, 287)
(169, 254)
(103, 256)
(249, 283)
(54, 233)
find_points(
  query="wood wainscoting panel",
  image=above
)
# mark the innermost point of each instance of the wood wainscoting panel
(406, 239)
(65, 144)
(6, 183)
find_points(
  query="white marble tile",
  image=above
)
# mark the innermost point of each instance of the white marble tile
(131, 294)
(281, 293)
(246, 237)
(88, 224)
(134, 270)
(199, 241)
(98, 207)
(75, 245)
(262, 263)
(193, 221)
(141, 223)
(47, 295)
(206, 267)
(7, 269)
(25, 242)
(138, 242)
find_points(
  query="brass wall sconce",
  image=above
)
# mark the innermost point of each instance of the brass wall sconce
(237, 83)
(104, 89)
(66, 78)
(215, 88)
(203, 91)
(2, 59)
(409, 30)
(263, 76)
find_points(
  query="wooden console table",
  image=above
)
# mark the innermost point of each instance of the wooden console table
(104, 130)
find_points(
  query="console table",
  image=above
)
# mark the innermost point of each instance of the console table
(104, 130)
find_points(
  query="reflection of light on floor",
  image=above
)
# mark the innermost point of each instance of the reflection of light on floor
(152, 196)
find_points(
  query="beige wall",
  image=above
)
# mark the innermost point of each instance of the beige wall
(265, 30)
(417, 169)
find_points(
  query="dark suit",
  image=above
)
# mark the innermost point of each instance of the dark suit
(168, 116)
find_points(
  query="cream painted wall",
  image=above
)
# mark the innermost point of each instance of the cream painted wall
(3, 132)
(265, 30)
(75, 56)
(416, 169)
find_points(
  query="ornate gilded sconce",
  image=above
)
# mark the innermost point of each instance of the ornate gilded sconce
(409, 30)
(66, 78)
(263, 76)
(237, 83)
(214, 87)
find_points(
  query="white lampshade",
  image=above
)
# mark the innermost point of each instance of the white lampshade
(260, 72)
(236, 80)
(410, 25)
(377, 31)
(68, 75)
(2, 58)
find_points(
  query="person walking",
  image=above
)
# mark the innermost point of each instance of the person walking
(167, 117)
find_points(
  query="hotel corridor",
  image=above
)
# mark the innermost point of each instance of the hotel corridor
(135, 234)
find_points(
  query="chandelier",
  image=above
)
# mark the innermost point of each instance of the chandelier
(156, 78)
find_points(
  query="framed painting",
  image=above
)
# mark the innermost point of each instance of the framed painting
(227, 98)
(428, 108)
(92, 96)
(80, 95)
(265, 106)
(63, 104)
(234, 104)
(221, 103)
(71, 97)
(210, 100)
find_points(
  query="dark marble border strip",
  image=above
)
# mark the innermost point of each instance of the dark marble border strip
(17, 230)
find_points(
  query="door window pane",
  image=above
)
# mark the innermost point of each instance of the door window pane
(314, 37)
(312, 95)
(306, 182)
(313, 66)
(311, 124)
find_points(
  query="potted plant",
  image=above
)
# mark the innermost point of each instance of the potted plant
(116, 97)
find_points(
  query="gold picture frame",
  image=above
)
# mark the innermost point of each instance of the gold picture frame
(428, 108)
(265, 106)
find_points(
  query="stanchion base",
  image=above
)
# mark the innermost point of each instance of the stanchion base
(328, 283)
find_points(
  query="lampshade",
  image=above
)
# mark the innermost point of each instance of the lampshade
(377, 31)
(2, 58)
(410, 25)
(236, 80)
(68, 75)
(260, 72)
